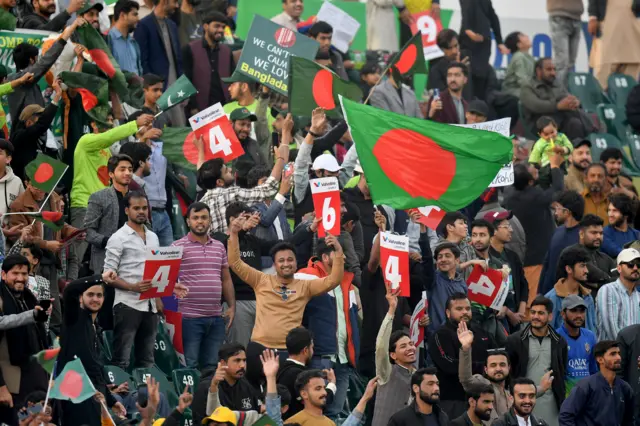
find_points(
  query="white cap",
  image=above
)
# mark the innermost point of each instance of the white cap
(326, 162)
(628, 255)
(358, 168)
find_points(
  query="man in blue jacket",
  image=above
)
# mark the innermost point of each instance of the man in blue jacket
(603, 398)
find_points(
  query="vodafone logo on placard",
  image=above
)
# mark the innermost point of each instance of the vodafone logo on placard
(285, 37)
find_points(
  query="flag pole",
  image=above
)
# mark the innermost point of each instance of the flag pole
(51, 192)
(158, 114)
(106, 410)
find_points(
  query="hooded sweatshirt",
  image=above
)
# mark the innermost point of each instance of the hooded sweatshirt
(10, 187)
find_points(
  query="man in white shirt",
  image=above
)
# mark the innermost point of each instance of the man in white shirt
(134, 320)
(290, 17)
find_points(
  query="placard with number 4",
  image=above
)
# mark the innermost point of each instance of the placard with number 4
(487, 287)
(162, 268)
(220, 140)
(326, 203)
(394, 261)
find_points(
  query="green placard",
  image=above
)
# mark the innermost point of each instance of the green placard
(266, 52)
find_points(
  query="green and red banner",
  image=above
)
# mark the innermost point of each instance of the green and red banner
(94, 91)
(410, 162)
(73, 384)
(47, 358)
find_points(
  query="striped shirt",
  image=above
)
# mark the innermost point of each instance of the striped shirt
(201, 272)
(617, 309)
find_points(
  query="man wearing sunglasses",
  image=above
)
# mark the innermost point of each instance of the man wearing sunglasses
(619, 303)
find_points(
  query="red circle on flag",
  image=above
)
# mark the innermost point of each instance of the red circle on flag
(43, 173)
(407, 59)
(415, 163)
(322, 89)
(285, 37)
(103, 175)
(71, 385)
(189, 149)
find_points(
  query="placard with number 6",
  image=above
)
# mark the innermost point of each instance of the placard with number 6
(326, 203)
(487, 287)
(220, 140)
(162, 268)
(394, 261)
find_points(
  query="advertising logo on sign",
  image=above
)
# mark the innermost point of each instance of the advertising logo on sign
(285, 37)
(206, 116)
(161, 267)
(394, 261)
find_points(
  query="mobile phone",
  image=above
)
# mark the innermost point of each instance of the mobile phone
(436, 93)
(288, 169)
(34, 409)
(275, 139)
(143, 397)
(44, 304)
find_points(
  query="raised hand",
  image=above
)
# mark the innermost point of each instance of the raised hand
(185, 400)
(318, 121)
(392, 298)
(270, 363)
(221, 373)
(380, 220)
(465, 336)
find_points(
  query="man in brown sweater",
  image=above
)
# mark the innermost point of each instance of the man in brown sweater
(280, 298)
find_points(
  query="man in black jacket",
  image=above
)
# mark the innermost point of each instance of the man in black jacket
(444, 349)
(481, 399)
(42, 11)
(235, 391)
(537, 349)
(524, 401)
(424, 410)
(242, 120)
(81, 338)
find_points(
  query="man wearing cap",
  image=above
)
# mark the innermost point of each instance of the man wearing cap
(619, 303)
(477, 112)
(516, 302)
(124, 47)
(206, 62)
(242, 119)
(42, 11)
(580, 159)
(241, 96)
(91, 13)
(580, 341)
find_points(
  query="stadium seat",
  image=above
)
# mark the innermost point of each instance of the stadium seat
(614, 119)
(117, 376)
(164, 354)
(141, 375)
(586, 88)
(183, 377)
(620, 86)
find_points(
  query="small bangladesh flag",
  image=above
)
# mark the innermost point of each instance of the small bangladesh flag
(45, 172)
(73, 384)
(311, 86)
(410, 60)
(47, 358)
(180, 90)
(101, 55)
(94, 91)
(53, 220)
(410, 162)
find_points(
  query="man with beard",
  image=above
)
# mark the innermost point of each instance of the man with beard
(157, 36)
(81, 337)
(140, 153)
(206, 62)
(290, 16)
(544, 95)
(395, 359)
(524, 401)
(218, 180)
(124, 47)
(619, 232)
(603, 398)
(572, 275)
(242, 121)
(310, 386)
(616, 182)
(600, 265)
(42, 11)
(105, 215)
(484, 317)
(448, 106)
(580, 159)
(444, 349)
(235, 391)
(619, 303)
(516, 301)
(447, 41)
(91, 13)
(394, 96)
(300, 348)
(568, 208)
(19, 373)
(481, 399)
(580, 341)
(204, 270)
(534, 351)
(241, 95)
(424, 409)
(596, 200)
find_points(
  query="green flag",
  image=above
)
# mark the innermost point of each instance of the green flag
(179, 91)
(410, 60)
(45, 172)
(47, 358)
(265, 421)
(94, 91)
(53, 220)
(311, 86)
(178, 147)
(410, 162)
(73, 384)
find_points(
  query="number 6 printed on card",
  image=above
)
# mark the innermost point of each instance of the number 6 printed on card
(326, 203)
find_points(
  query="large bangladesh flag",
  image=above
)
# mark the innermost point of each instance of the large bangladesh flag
(94, 91)
(311, 86)
(410, 162)
(73, 384)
